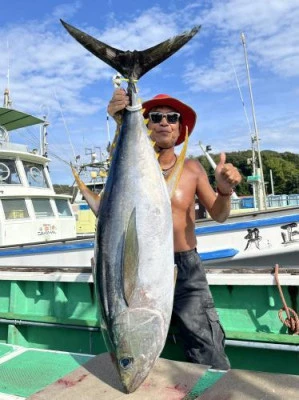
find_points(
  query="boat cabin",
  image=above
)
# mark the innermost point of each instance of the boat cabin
(30, 210)
(86, 220)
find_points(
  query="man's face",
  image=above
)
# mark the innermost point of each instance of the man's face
(165, 134)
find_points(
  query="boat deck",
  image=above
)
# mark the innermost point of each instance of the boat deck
(24, 371)
(42, 375)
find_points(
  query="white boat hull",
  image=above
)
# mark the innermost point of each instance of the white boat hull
(66, 253)
(260, 239)
(232, 244)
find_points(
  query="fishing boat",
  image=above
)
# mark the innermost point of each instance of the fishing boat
(93, 174)
(259, 238)
(249, 237)
(37, 226)
(49, 327)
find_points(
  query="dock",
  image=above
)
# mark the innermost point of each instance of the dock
(50, 375)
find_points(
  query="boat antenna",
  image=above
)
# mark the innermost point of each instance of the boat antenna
(44, 138)
(259, 182)
(7, 102)
(250, 161)
(241, 96)
(65, 126)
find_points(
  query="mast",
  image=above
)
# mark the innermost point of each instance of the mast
(257, 168)
(43, 138)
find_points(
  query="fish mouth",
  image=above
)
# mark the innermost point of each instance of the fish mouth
(133, 385)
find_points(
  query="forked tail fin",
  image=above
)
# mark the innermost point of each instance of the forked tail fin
(131, 64)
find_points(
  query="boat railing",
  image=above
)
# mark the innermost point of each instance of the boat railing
(273, 201)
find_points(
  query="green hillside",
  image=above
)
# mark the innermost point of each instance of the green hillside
(284, 166)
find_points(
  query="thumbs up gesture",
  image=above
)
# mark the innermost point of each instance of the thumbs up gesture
(227, 176)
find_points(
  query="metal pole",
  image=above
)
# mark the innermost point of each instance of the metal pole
(108, 128)
(209, 158)
(262, 201)
(44, 135)
(271, 180)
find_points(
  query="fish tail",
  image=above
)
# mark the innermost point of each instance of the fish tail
(131, 64)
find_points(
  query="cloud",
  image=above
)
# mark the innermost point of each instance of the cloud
(50, 71)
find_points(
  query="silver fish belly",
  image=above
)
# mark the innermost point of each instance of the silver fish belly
(134, 256)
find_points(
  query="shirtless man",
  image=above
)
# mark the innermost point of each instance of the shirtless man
(194, 311)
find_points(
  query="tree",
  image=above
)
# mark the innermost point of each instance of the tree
(284, 166)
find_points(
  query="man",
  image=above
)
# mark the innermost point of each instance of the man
(198, 323)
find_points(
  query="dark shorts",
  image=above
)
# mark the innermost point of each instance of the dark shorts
(195, 315)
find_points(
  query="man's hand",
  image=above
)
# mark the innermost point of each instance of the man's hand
(227, 176)
(118, 102)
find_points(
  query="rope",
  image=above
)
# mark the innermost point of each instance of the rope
(118, 79)
(292, 321)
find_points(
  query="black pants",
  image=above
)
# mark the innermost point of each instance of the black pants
(194, 313)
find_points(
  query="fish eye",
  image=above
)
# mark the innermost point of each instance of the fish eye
(126, 362)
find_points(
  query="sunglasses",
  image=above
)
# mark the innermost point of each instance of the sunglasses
(171, 117)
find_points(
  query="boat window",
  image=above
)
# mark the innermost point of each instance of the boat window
(42, 208)
(35, 174)
(63, 208)
(15, 208)
(8, 172)
(97, 189)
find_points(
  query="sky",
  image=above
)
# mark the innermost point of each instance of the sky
(49, 73)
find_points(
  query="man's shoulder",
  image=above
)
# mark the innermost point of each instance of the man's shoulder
(193, 164)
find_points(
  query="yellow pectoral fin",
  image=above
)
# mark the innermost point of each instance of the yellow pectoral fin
(173, 179)
(116, 135)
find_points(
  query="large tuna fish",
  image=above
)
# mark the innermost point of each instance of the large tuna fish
(134, 264)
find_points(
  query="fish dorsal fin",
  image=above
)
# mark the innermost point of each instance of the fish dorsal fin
(92, 199)
(173, 179)
(130, 259)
